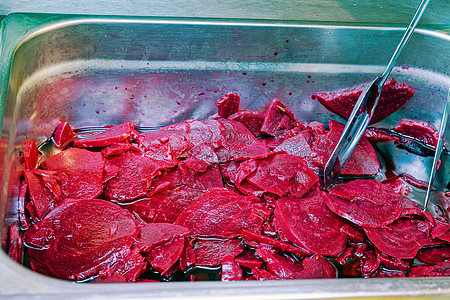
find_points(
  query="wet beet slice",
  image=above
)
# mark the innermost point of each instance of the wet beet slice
(434, 255)
(230, 270)
(248, 259)
(228, 105)
(440, 269)
(42, 198)
(279, 264)
(63, 135)
(210, 253)
(252, 120)
(222, 214)
(363, 161)
(110, 136)
(277, 173)
(393, 96)
(15, 250)
(30, 154)
(401, 239)
(156, 234)
(366, 203)
(309, 224)
(104, 230)
(80, 170)
(277, 119)
(317, 267)
(163, 257)
(423, 131)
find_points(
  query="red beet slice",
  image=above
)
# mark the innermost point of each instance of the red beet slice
(309, 224)
(130, 267)
(252, 120)
(210, 253)
(391, 262)
(228, 105)
(363, 161)
(424, 132)
(118, 148)
(103, 229)
(369, 263)
(30, 154)
(222, 214)
(230, 270)
(401, 239)
(15, 250)
(42, 199)
(317, 267)
(278, 264)
(110, 136)
(262, 274)
(276, 173)
(24, 220)
(393, 96)
(366, 203)
(438, 270)
(163, 257)
(80, 170)
(113, 278)
(434, 255)
(277, 119)
(248, 259)
(187, 258)
(203, 181)
(156, 234)
(63, 135)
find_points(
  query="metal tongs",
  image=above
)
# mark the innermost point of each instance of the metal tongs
(364, 109)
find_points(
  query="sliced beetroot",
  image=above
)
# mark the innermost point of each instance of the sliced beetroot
(187, 258)
(363, 161)
(441, 231)
(317, 267)
(222, 214)
(22, 200)
(366, 203)
(401, 239)
(112, 278)
(15, 250)
(42, 199)
(386, 273)
(277, 119)
(163, 257)
(377, 135)
(130, 267)
(369, 263)
(420, 130)
(156, 234)
(248, 259)
(251, 119)
(118, 148)
(282, 266)
(210, 253)
(201, 157)
(393, 96)
(80, 170)
(110, 136)
(230, 269)
(229, 170)
(391, 262)
(51, 181)
(262, 274)
(438, 270)
(228, 105)
(63, 135)
(109, 172)
(309, 224)
(105, 231)
(431, 256)
(238, 143)
(203, 181)
(277, 173)
(30, 154)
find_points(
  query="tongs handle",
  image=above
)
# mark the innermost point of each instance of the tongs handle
(364, 108)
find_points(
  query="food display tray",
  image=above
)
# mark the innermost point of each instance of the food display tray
(95, 71)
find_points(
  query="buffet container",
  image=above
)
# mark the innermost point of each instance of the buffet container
(97, 71)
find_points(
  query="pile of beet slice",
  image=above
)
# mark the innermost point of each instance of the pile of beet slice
(235, 197)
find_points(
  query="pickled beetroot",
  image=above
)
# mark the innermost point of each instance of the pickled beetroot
(30, 154)
(111, 135)
(422, 131)
(63, 135)
(252, 120)
(277, 119)
(393, 96)
(228, 105)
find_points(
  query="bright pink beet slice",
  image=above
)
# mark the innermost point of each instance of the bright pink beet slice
(156, 234)
(230, 270)
(393, 96)
(401, 239)
(277, 119)
(110, 136)
(30, 154)
(80, 170)
(252, 120)
(222, 214)
(366, 203)
(105, 231)
(63, 135)
(228, 105)
(309, 224)
(423, 131)
(210, 253)
(277, 173)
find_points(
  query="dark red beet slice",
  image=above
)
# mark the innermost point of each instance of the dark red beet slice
(262, 274)
(80, 170)
(248, 259)
(278, 264)
(15, 250)
(42, 199)
(63, 135)
(228, 105)
(377, 135)
(363, 161)
(230, 270)
(156, 234)
(276, 173)
(222, 214)
(391, 262)
(238, 142)
(386, 273)
(163, 257)
(187, 258)
(424, 132)
(24, 220)
(30, 154)
(112, 278)
(110, 136)
(210, 253)
(277, 119)
(317, 267)
(252, 120)
(438, 270)
(130, 267)
(434, 255)
(369, 263)
(366, 203)
(393, 96)
(441, 231)
(203, 181)
(401, 239)
(309, 224)
(105, 231)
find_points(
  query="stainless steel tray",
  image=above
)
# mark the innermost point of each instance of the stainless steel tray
(95, 71)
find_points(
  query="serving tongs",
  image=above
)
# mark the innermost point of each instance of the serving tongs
(364, 109)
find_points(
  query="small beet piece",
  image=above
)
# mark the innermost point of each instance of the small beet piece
(110, 136)
(230, 269)
(24, 220)
(366, 203)
(420, 130)
(80, 170)
(156, 234)
(248, 259)
(440, 269)
(15, 250)
(252, 120)
(279, 264)
(228, 105)
(103, 230)
(30, 154)
(277, 119)
(317, 267)
(42, 199)
(393, 96)
(309, 224)
(210, 253)
(164, 256)
(63, 135)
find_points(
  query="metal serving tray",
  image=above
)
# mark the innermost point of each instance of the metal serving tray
(95, 71)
